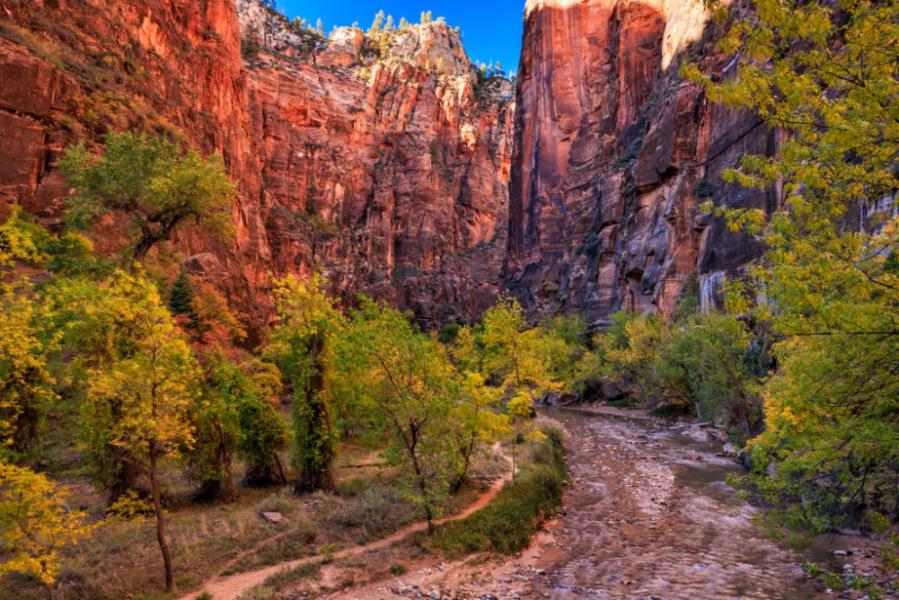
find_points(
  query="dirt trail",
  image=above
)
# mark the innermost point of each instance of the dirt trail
(232, 586)
(648, 516)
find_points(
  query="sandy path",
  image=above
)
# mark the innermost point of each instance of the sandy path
(232, 586)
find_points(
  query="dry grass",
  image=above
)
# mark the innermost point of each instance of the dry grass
(122, 561)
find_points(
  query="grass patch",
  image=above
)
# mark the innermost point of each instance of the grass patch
(506, 525)
(283, 579)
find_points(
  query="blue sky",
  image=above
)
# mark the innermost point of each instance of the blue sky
(491, 28)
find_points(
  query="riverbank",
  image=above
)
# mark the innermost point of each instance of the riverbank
(648, 515)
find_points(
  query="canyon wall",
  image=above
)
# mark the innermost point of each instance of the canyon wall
(384, 160)
(614, 153)
(383, 163)
(73, 70)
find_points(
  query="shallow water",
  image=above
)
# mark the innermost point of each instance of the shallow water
(649, 515)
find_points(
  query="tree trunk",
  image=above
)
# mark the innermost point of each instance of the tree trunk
(269, 474)
(466, 465)
(160, 521)
(220, 488)
(124, 474)
(142, 247)
(423, 489)
(315, 461)
(228, 493)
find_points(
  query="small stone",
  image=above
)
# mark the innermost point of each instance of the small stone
(273, 517)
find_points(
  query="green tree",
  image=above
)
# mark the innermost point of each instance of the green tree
(35, 524)
(633, 348)
(235, 416)
(301, 346)
(67, 254)
(475, 422)
(20, 240)
(521, 411)
(512, 352)
(825, 75)
(181, 296)
(562, 341)
(705, 365)
(216, 418)
(410, 392)
(100, 323)
(139, 379)
(27, 387)
(152, 183)
(263, 431)
(468, 351)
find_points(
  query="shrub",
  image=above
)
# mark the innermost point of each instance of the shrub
(506, 525)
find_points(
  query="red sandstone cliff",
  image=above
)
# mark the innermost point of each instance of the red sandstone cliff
(613, 155)
(384, 161)
(384, 164)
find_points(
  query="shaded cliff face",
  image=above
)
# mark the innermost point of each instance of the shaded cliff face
(613, 155)
(384, 163)
(73, 70)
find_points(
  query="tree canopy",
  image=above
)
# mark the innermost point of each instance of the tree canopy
(825, 74)
(151, 182)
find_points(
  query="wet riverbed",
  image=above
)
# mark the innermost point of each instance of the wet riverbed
(649, 514)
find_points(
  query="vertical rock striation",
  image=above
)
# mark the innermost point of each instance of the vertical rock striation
(388, 167)
(382, 162)
(613, 153)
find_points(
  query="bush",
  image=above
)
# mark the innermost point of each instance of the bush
(506, 525)
(704, 364)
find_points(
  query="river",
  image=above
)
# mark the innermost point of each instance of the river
(648, 516)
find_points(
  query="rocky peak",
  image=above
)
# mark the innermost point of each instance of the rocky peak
(434, 46)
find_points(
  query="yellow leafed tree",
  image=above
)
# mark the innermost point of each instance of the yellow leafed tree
(35, 524)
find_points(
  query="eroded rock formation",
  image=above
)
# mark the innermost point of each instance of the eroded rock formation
(388, 167)
(383, 163)
(384, 160)
(614, 153)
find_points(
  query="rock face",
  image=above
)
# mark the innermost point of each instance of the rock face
(73, 70)
(614, 153)
(388, 169)
(382, 161)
